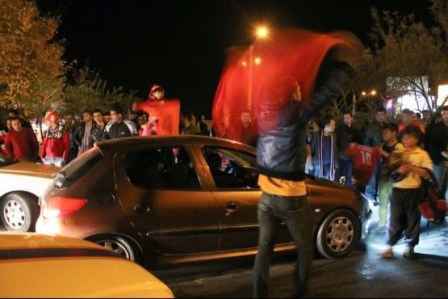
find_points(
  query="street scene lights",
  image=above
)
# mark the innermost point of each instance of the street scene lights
(364, 94)
(261, 32)
(371, 93)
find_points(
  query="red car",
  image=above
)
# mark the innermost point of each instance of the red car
(170, 200)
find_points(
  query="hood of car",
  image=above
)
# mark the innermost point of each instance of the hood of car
(60, 267)
(30, 169)
(15, 240)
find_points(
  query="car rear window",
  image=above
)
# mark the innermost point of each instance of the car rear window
(77, 168)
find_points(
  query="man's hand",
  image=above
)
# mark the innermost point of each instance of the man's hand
(444, 154)
(309, 163)
(405, 168)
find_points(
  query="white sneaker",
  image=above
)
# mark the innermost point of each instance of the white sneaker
(408, 252)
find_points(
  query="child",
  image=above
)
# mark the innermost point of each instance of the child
(385, 185)
(404, 212)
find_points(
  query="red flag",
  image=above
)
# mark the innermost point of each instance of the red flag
(164, 116)
(269, 68)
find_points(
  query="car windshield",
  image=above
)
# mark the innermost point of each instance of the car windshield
(6, 161)
(77, 168)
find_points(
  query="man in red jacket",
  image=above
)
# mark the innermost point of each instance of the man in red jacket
(56, 142)
(21, 142)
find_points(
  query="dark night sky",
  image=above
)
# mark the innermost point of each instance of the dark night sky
(181, 44)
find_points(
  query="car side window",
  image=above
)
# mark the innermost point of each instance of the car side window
(161, 168)
(231, 168)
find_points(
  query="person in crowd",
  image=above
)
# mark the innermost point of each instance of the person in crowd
(324, 150)
(373, 137)
(98, 118)
(107, 117)
(408, 118)
(203, 128)
(246, 128)
(3, 134)
(406, 193)
(13, 113)
(312, 129)
(21, 142)
(56, 142)
(142, 120)
(188, 124)
(100, 124)
(426, 118)
(346, 134)
(436, 144)
(70, 126)
(281, 159)
(85, 134)
(385, 185)
(119, 127)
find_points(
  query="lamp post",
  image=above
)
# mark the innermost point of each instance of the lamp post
(261, 32)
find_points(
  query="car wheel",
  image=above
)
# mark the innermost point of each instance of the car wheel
(338, 234)
(19, 212)
(120, 246)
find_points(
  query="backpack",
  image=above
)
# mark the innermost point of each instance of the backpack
(432, 205)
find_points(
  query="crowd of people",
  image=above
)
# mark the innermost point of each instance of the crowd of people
(62, 137)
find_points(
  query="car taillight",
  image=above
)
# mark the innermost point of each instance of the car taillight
(60, 206)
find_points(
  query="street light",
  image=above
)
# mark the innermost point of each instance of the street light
(364, 94)
(261, 32)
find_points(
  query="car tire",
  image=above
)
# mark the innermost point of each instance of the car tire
(19, 212)
(338, 234)
(120, 246)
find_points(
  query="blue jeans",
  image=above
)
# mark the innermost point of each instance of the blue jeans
(346, 170)
(372, 185)
(441, 174)
(296, 214)
(55, 161)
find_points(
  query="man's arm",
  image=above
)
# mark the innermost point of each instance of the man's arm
(332, 78)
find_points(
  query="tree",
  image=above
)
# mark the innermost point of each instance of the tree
(85, 89)
(31, 65)
(406, 51)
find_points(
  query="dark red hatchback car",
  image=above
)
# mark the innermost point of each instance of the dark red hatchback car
(169, 200)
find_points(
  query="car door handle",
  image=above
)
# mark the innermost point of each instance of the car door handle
(142, 207)
(231, 207)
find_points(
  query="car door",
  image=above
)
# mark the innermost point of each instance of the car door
(237, 201)
(168, 206)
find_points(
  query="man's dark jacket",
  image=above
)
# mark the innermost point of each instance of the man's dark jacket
(281, 146)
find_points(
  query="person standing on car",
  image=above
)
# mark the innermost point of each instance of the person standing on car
(281, 155)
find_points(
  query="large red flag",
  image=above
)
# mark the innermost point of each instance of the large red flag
(267, 69)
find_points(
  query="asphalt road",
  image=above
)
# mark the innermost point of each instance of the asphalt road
(362, 274)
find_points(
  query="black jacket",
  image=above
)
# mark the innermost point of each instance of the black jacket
(281, 146)
(346, 135)
(436, 141)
